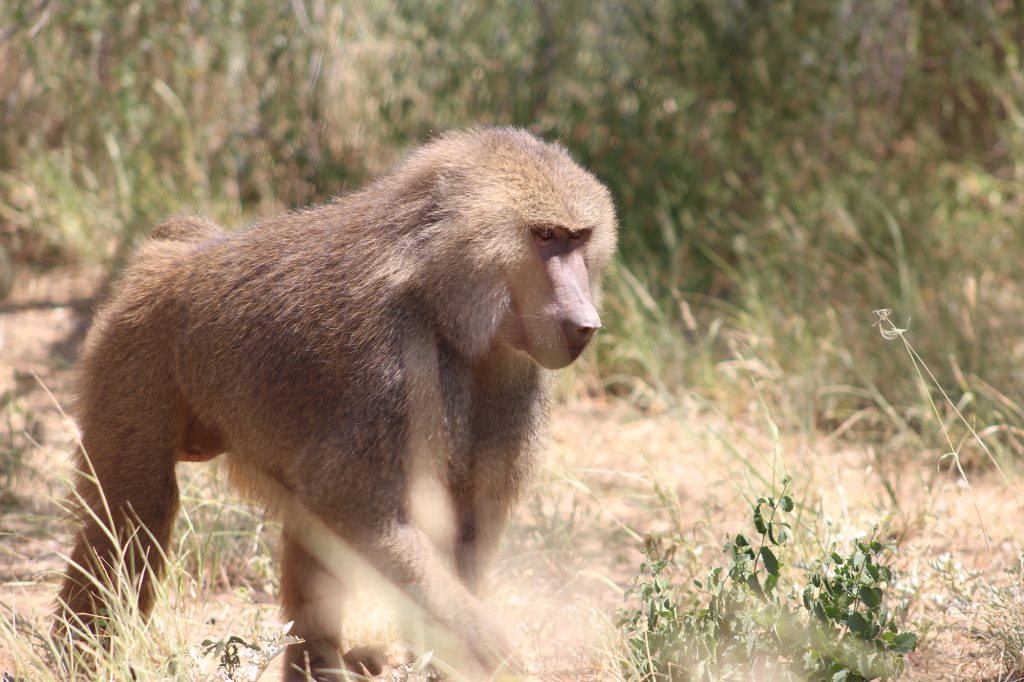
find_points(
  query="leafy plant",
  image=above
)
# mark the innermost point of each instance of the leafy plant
(742, 624)
(228, 651)
(239, 659)
(654, 629)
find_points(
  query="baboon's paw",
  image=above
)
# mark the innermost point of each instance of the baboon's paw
(365, 660)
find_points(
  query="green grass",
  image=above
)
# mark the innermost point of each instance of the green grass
(781, 169)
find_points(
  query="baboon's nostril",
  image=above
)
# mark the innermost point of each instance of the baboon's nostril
(578, 332)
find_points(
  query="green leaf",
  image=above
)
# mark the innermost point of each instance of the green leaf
(871, 596)
(859, 624)
(755, 585)
(786, 503)
(903, 643)
(777, 533)
(771, 564)
(841, 676)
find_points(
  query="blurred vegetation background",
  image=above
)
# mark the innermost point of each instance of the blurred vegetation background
(781, 168)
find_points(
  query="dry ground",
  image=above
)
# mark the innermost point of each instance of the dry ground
(613, 474)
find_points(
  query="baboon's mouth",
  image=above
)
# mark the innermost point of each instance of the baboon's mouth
(555, 356)
(576, 351)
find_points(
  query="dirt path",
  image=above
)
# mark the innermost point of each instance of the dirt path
(612, 475)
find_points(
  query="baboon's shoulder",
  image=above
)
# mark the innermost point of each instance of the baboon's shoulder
(185, 229)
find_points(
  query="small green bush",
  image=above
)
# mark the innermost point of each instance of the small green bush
(742, 624)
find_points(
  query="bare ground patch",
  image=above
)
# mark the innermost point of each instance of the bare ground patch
(614, 477)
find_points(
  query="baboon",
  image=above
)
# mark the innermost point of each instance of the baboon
(376, 366)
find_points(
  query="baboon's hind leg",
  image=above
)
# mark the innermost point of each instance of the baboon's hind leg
(130, 423)
(131, 512)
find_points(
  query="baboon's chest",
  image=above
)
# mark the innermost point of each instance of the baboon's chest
(493, 415)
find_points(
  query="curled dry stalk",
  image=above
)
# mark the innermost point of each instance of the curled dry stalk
(889, 331)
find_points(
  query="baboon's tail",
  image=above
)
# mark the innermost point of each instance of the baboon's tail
(186, 228)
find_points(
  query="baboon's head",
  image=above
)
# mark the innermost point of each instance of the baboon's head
(524, 234)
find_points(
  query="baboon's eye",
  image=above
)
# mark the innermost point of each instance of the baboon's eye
(575, 235)
(544, 233)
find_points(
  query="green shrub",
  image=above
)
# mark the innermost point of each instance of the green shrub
(748, 622)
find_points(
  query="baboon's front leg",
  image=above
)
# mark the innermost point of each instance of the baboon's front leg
(480, 525)
(405, 555)
(312, 597)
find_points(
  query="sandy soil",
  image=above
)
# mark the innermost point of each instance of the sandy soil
(576, 539)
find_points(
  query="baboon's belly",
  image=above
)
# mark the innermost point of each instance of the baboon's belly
(202, 442)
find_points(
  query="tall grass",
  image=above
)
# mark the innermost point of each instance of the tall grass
(781, 169)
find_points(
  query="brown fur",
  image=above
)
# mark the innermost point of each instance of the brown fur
(348, 358)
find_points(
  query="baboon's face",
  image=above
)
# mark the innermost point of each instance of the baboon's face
(534, 231)
(552, 315)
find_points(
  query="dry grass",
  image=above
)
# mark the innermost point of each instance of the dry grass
(780, 169)
(614, 476)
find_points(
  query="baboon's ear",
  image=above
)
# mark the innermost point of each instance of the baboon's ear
(430, 191)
